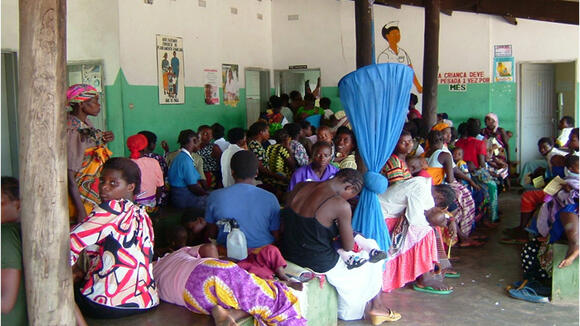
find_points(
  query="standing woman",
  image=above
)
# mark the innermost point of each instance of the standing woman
(87, 151)
(497, 137)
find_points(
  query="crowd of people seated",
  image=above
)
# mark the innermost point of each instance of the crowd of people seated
(293, 197)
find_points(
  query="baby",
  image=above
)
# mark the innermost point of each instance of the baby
(418, 166)
(365, 251)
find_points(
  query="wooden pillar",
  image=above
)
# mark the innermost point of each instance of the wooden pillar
(363, 12)
(43, 179)
(431, 61)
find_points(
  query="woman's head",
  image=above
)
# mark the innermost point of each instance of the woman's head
(491, 121)
(321, 154)
(136, 144)
(205, 134)
(259, 130)
(120, 179)
(189, 140)
(392, 34)
(151, 140)
(345, 141)
(324, 134)
(281, 137)
(309, 100)
(244, 165)
(237, 136)
(436, 139)
(10, 200)
(293, 130)
(445, 130)
(545, 145)
(306, 130)
(405, 143)
(473, 127)
(83, 98)
(218, 130)
(351, 182)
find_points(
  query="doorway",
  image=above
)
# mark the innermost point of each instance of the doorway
(257, 93)
(287, 81)
(9, 84)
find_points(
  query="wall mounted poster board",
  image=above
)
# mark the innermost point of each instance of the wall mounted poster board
(211, 86)
(504, 70)
(230, 78)
(170, 70)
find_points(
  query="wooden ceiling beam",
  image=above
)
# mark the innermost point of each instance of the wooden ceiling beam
(558, 11)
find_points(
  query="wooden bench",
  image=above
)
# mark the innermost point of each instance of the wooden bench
(564, 280)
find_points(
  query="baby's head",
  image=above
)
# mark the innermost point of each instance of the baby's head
(457, 154)
(443, 195)
(192, 220)
(436, 216)
(10, 200)
(177, 237)
(120, 179)
(416, 164)
(572, 163)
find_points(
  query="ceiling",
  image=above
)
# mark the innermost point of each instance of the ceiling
(558, 11)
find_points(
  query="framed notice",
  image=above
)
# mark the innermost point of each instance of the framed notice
(504, 70)
(230, 84)
(170, 70)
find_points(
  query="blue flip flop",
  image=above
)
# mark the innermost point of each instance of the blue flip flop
(528, 294)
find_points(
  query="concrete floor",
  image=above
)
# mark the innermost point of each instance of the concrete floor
(479, 297)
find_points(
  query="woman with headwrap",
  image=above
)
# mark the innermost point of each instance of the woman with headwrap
(151, 173)
(497, 143)
(87, 151)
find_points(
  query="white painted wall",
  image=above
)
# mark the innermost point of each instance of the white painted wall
(324, 36)
(92, 32)
(211, 36)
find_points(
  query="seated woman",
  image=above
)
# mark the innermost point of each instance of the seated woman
(149, 152)
(194, 278)
(151, 173)
(345, 149)
(280, 162)
(317, 212)
(396, 170)
(211, 154)
(441, 163)
(183, 177)
(296, 148)
(117, 240)
(410, 211)
(318, 170)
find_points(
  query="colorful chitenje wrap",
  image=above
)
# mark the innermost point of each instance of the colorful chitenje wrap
(87, 178)
(216, 282)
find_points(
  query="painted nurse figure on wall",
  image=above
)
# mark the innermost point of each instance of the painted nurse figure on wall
(394, 53)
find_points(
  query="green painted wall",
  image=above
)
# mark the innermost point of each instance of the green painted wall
(332, 94)
(166, 121)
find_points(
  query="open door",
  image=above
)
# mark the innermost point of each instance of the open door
(257, 93)
(293, 80)
(9, 114)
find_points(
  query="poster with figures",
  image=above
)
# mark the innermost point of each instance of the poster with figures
(211, 86)
(504, 70)
(230, 78)
(170, 70)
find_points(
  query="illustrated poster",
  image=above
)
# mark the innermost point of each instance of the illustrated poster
(170, 70)
(211, 86)
(230, 78)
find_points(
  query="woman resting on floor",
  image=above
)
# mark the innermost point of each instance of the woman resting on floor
(315, 214)
(114, 273)
(194, 277)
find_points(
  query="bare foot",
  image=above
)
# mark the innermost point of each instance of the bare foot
(295, 285)
(433, 281)
(470, 243)
(222, 317)
(570, 257)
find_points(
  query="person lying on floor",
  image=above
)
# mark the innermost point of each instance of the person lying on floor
(257, 213)
(116, 243)
(194, 278)
(410, 211)
(315, 213)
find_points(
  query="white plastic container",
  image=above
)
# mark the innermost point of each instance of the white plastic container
(236, 243)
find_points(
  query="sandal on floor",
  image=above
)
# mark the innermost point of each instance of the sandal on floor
(376, 255)
(429, 289)
(354, 262)
(452, 275)
(509, 241)
(527, 294)
(379, 319)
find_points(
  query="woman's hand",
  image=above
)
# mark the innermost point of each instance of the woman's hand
(165, 146)
(108, 136)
